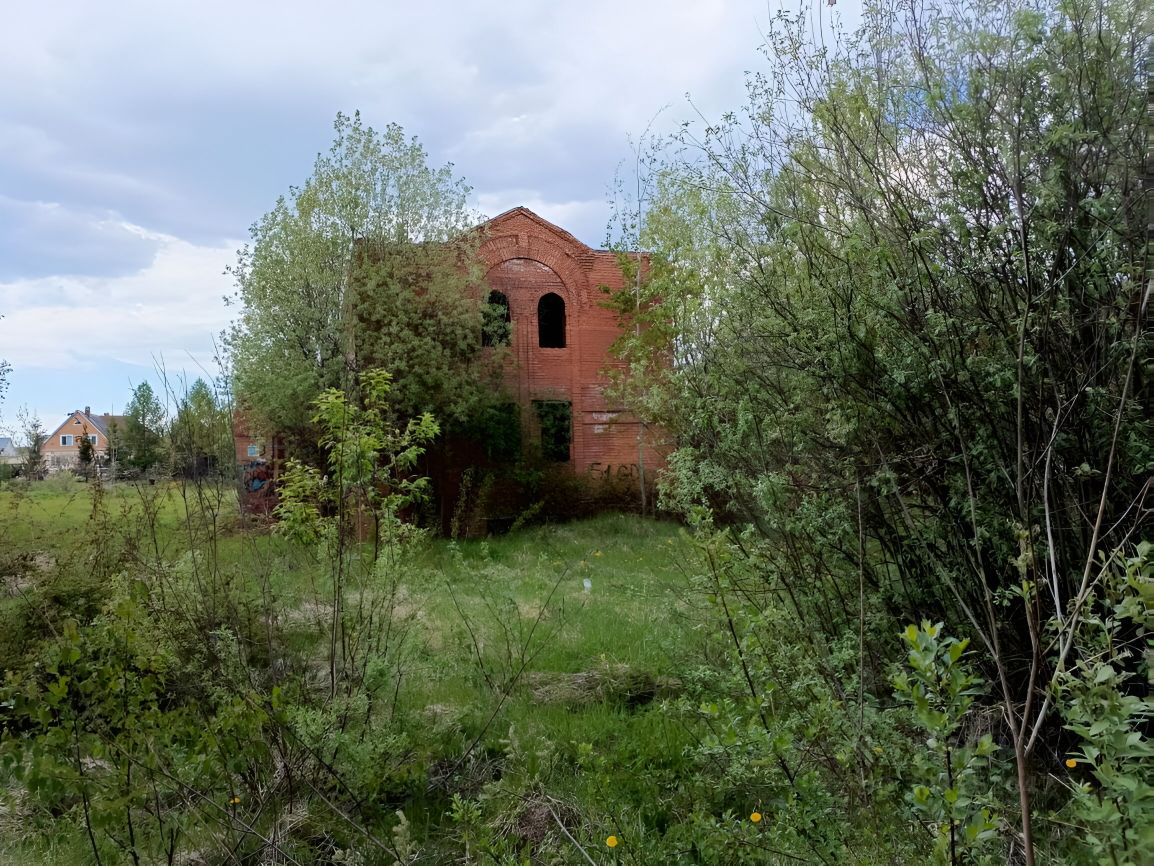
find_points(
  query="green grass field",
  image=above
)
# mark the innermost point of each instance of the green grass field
(537, 661)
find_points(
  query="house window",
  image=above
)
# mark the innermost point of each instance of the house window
(551, 322)
(92, 438)
(66, 440)
(495, 322)
(253, 451)
(555, 418)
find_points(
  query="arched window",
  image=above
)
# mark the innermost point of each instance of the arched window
(496, 328)
(551, 322)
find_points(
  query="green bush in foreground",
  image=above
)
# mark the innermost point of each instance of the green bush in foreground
(189, 713)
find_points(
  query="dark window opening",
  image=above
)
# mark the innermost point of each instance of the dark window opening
(496, 325)
(497, 430)
(556, 420)
(551, 322)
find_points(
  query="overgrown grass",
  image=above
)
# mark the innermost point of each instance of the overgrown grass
(532, 671)
(55, 517)
(627, 614)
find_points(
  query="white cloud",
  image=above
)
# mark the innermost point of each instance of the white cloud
(586, 219)
(142, 136)
(171, 308)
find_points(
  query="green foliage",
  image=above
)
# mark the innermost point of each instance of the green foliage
(373, 225)
(555, 421)
(218, 643)
(56, 598)
(497, 428)
(902, 293)
(116, 450)
(496, 326)
(32, 432)
(847, 324)
(415, 313)
(142, 439)
(783, 729)
(955, 794)
(370, 464)
(84, 452)
(103, 745)
(201, 434)
(1105, 699)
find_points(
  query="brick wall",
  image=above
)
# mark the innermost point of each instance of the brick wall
(528, 257)
(525, 258)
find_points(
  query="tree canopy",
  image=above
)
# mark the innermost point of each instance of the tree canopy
(143, 435)
(366, 264)
(34, 435)
(905, 286)
(201, 433)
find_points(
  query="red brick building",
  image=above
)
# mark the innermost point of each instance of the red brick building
(550, 287)
(560, 336)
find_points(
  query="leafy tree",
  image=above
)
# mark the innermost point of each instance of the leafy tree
(32, 431)
(416, 313)
(366, 264)
(201, 433)
(142, 440)
(115, 451)
(370, 474)
(84, 452)
(906, 291)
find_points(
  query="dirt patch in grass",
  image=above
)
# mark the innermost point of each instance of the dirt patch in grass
(541, 816)
(612, 683)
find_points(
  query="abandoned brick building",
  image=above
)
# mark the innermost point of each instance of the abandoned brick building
(551, 288)
(561, 333)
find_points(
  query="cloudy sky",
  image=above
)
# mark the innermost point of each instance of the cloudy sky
(140, 139)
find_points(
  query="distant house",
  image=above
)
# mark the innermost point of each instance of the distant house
(8, 452)
(61, 449)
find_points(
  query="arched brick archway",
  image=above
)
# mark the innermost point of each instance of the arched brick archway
(538, 248)
(540, 369)
(524, 279)
(569, 418)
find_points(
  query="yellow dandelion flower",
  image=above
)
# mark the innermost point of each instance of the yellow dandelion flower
(234, 800)
(1071, 763)
(755, 817)
(611, 841)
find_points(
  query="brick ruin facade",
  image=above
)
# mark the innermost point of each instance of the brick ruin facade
(559, 335)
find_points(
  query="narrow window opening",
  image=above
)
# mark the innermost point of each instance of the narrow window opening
(555, 418)
(496, 325)
(551, 322)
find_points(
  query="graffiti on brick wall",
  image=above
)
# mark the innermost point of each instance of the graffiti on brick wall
(621, 471)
